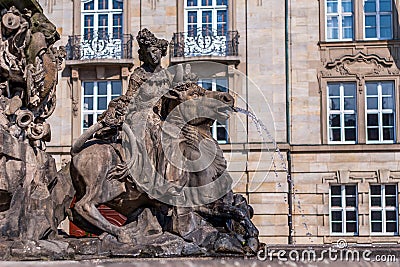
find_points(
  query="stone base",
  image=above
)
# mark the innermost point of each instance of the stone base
(162, 246)
(33, 195)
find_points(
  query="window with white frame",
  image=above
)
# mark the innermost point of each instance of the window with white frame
(343, 209)
(378, 19)
(384, 209)
(342, 114)
(380, 109)
(102, 19)
(95, 98)
(219, 130)
(207, 16)
(339, 20)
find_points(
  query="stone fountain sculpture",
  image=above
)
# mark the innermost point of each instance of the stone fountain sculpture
(29, 63)
(166, 119)
(150, 157)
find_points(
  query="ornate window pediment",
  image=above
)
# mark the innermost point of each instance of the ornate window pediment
(359, 65)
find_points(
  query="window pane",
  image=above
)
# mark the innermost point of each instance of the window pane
(206, 2)
(390, 201)
(334, 104)
(391, 227)
(347, 6)
(348, 27)
(350, 201)
(349, 120)
(117, 20)
(334, 89)
(373, 134)
(336, 190)
(351, 227)
(336, 216)
(334, 120)
(370, 27)
(350, 134)
(103, 4)
(118, 4)
(385, 5)
(191, 2)
(89, 21)
(388, 134)
(372, 120)
(221, 16)
(221, 133)
(336, 201)
(103, 20)
(222, 2)
(376, 216)
(376, 227)
(350, 103)
(376, 201)
(88, 103)
(372, 89)
(87, 120)
(89, 5)
(391, 215)
(192, 17)
(116, 88)
(332, 28)
(390, 190)
(335, 135)
(102, 88)
(375, 190)
(102, 103)
(207, 17)
(336, 227)
(372, 103)
(387, 103)
(386, 26)
(370, 6)
(388, 119)
(350, 190)
(88, 88)
(387, 88)
(332, 6)
(222, 85)
(351, 215)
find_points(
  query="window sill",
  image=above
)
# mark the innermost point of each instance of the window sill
(356, 43)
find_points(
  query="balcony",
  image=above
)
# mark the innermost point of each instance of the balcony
(201, 44)
(99, 48)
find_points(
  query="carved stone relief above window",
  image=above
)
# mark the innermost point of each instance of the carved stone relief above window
(359, 66)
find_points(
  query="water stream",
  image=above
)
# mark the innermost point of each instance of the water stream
(262, 129)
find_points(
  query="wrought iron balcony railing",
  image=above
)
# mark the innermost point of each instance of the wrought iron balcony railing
(205, 42)
(99, 46)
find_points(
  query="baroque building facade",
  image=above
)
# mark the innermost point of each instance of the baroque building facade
(323, 76)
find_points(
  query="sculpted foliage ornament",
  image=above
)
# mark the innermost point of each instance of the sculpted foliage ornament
(29, 66)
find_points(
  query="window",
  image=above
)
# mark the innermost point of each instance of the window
(342, 115)
(207, 15)
(102, 18)
(343, 209)
(96, 96)
(348, 20)
(380, 109)
(383, 208)
(219, 130)
(339, 20)
(378, 19)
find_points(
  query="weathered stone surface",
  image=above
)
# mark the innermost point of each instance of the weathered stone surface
(148, 175)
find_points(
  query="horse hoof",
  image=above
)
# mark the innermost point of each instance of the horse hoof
(253, 244)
